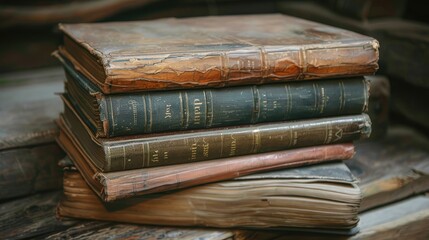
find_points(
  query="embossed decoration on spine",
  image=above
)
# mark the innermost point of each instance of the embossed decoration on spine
(207, 108)
(206, 145)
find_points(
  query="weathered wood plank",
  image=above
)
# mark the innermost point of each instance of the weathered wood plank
(28, 108)
(392, 168)
(28, 170)
(31, 216)
(102, 230)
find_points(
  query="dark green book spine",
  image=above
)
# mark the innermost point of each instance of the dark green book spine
(228, 142)
(206, 108)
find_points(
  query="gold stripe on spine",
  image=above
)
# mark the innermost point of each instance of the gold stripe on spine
(145, 114)
(147, 154)
(365, 94)
(111, 113)
(186, 124)
(150, 112)
(211, 112)
(206, 110)
(256, 104)
(182, 118)
(342, 97)
(316, 102)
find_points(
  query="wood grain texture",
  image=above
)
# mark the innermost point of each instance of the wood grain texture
(28, 107)
(101, 230)
(392, 168)
(24, 171)
(31, 216)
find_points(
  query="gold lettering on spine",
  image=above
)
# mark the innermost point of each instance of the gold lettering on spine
(233, 148)
(194, 151)
(133, 104)
(197, 111)
(155, 156)
(328, 133)
(165, 156)
(324, 99)
(338, 134)
(167, 111)
(150, 113)
(205, 148)
(275, 104)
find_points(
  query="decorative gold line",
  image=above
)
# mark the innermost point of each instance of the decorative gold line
(365, 95)
(205, 108)
(181, 110)
(111, 113)
(342, 97)
(211, 110)
(315, 97)
(145, 113)
(150, 112)
(148, 153)
(187, 110)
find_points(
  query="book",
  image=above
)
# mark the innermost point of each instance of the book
(207, 52)
(140, 151)
(407, 219)
(162, 111)
(323, 196)
(125, 184)
(390, 169)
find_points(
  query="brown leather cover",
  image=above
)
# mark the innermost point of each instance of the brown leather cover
(214, 51)
(125, 184)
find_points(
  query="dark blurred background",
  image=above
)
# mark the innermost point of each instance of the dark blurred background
(29, 34)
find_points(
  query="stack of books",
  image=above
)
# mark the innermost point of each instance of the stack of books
(192, 122)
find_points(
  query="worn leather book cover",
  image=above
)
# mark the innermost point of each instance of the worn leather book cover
(124, 184)
(141, 151)
(163, 111)
(323, 197)
(214, 51)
